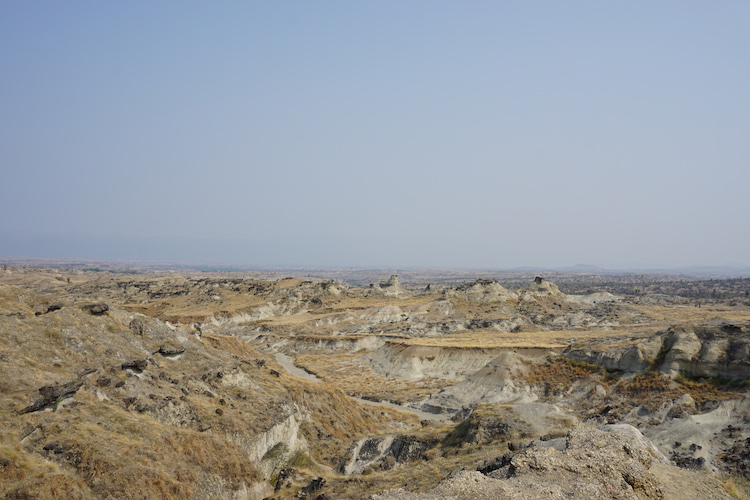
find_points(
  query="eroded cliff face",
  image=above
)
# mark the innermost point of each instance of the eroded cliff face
(414, 362)
(719, 349)
(501, 380)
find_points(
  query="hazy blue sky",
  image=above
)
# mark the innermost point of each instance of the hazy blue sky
(382, 133)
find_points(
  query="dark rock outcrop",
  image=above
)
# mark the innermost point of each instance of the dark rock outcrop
(95, 309)
(384, 452)
(51, 395)
(137, 365)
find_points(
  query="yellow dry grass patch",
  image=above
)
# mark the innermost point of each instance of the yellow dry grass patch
(290, 320)
(550, 339)
(312, 338)
(190, 309)
(376, 301)
(101, 450)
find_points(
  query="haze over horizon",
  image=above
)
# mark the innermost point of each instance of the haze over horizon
(393, 134)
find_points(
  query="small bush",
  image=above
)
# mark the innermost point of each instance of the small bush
(718, 382)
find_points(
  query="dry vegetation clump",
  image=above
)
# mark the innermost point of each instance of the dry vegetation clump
(557, 375)
(28, 475)
(649, 390)
(705, 390)
(653, 389)
(235, 347)
(737, 487)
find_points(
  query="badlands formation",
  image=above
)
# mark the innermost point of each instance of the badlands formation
(204, 385)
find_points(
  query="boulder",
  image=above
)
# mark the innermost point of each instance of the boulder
(95, 309)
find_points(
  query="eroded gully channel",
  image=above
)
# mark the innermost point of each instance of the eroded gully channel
(286, 362)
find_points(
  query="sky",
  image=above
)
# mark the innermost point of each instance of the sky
(478, 134)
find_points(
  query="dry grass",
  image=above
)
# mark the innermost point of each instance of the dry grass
(665, 316)
(235, 347)
(737, 487)
(337, 420)
(547, 339)
(488, 340)
(106, 451)
(358, 302)
(28, 475)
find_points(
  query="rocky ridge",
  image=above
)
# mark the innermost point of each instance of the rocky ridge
(718, 349)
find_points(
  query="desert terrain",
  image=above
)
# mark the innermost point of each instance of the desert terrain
(153, 382)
